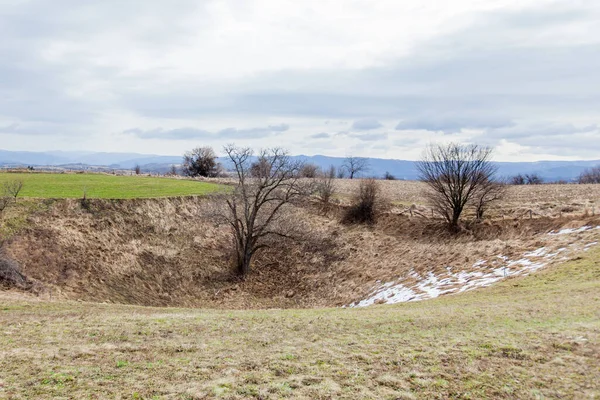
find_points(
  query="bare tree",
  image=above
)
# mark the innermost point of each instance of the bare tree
(173, 170)
(255, 207)
(590, 175)
(200, 161)
(309, 170)
(455, 174)
(517, 180)
(137, 169)
(388, 176)
(341, 172)
(355, 165)
(533, 179)
(486, 195)
(13, 188)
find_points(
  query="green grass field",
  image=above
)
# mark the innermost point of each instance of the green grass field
(536, 337)
(59, 186)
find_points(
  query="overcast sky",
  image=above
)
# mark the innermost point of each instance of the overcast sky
(377, 78)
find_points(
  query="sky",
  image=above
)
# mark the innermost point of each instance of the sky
(372, 78)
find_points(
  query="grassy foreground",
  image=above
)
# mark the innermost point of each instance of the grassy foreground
(535, 337)
(61, 186)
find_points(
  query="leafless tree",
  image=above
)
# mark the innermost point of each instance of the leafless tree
(355, 165)
(455, 174)
(388, 176)
(325, 188)
(255, 208)
(517, 180)
(173, 170)
(533, 179)
(591, 175)
(137, 169)
(13, 188)
(309, 170)
(200, 161)
(488, 193)
(341, 172)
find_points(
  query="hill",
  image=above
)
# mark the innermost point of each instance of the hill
(401, 169)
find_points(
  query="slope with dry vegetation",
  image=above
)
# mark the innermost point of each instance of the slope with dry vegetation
(165, 252)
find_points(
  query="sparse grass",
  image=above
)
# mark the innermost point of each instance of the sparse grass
(60, 186)
(527, 338)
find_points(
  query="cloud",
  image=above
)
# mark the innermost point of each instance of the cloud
(494, 71)
(322, 135)
(193, 133)
(452, 123)
(366, 124)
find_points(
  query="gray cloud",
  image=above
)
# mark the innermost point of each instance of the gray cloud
(194, 133)
(452, 123)
(497, 75)
(322, 135)
(366, 124)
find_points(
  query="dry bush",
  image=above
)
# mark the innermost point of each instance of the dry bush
(12, 188)
(309, 171)
(366, 204)
(591, 175)
(325, 188)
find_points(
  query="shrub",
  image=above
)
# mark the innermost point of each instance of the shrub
(309, 171)
(365, 206)
(591, 175)
(325, 188)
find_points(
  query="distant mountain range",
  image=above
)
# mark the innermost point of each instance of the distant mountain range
(401, 169)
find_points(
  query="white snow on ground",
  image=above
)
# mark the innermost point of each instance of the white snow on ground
(568, 231)
(482, 275)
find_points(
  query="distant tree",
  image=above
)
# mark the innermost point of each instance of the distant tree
(309, 170)
(200, 161)
(389, 177)
(137, 169)
(341, 172)
(355, 165)
(517, 180)
(173, 170)
(590, 175)
(533, 179)
(255, 208)
(455, 175)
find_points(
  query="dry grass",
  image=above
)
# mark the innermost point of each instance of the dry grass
(527, 338)
(544, 200)
(162, 252)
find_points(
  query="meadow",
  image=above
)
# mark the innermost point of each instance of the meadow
(104, 186)
(531, 337)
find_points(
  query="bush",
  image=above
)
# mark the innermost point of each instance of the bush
(325, 188)
(309, 171)
(365, 207)
(389, 177)
(591, 175)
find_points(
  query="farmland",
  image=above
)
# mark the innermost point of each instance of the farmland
(103, 186)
